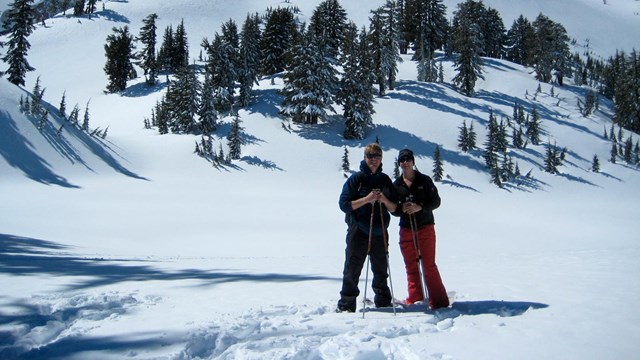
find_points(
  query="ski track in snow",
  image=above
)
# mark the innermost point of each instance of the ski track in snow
(56, 317)
(274, 332)
(315, 332)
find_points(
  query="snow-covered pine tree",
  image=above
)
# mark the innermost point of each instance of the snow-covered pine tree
(472, 137)
(79, 7)
(329, 22)
(550, 159)
(614, 152)
(627, 97)
(467, 38)
(520, 42)
(91, 7)
(278, 37)
(248, 71)
(222, 68)
(163, 58)
(118, 50)
(85, 118)
(310, 84)
(494, 33)
(551, 51)
(346, 167)
(425, 25)
(491, 145)
(438, 169)
(534, 127)
(37, 94)
(463, 137)
(74, 115)
(62, 109)
(234, 139)
(147, 56)
(383, 35)
(19, 24)
(179, 55)
(356, 94)
(391, 55)
(517, 138)
(207, 111)
(182, 101)
(595, 164)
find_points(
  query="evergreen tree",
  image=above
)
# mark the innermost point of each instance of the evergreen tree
(356, 88)
(166, 48)
(85, 118)
(118, 50)
(551, 51)
(249, 58)
(494, 33)
(438, 170)
(222, 67)
(147, 55)
(391, 54)
(234, 139)
(468, 39)
(463, 137)
(628, 150)
(91, 6)
(74, 114)
(183, 100)
(425, 25)
(37, 94)
(595, 165)
(491, 144)
(79, 7)
(62, 109)
(346, 167)
(520, 42)
(310, 83)
(517, 138)
(18, 22)
(626, 94)
(550, 160)
(472, 137)
(614, 152)
(278, 37)
(180, 51)
(329, 22)
(533, 127)
(207, 112)
(162, 116)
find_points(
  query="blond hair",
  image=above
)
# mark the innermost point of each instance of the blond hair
(373, 148)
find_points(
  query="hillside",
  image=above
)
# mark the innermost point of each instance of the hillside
(132, 246)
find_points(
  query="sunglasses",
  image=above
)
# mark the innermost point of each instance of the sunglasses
(404, 159)
(374, 156)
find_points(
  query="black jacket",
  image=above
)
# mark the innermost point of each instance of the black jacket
(422, 192)
(359, 185)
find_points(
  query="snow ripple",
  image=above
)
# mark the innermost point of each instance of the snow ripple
(314, 332)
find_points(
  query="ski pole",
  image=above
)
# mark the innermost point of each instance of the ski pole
(414, 234)
(366, 276)
(386, 249)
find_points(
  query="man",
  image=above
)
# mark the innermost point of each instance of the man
(364, 196)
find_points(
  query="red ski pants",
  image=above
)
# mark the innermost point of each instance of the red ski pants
(426, 239)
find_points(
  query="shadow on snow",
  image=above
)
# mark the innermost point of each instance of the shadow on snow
(480, 307)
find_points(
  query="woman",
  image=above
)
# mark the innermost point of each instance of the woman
(418, 198)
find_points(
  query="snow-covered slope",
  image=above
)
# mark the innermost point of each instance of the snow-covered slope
(134, 247)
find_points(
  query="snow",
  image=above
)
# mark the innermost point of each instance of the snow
(133, 247)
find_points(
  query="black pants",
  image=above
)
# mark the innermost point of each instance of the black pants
(355, 256)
